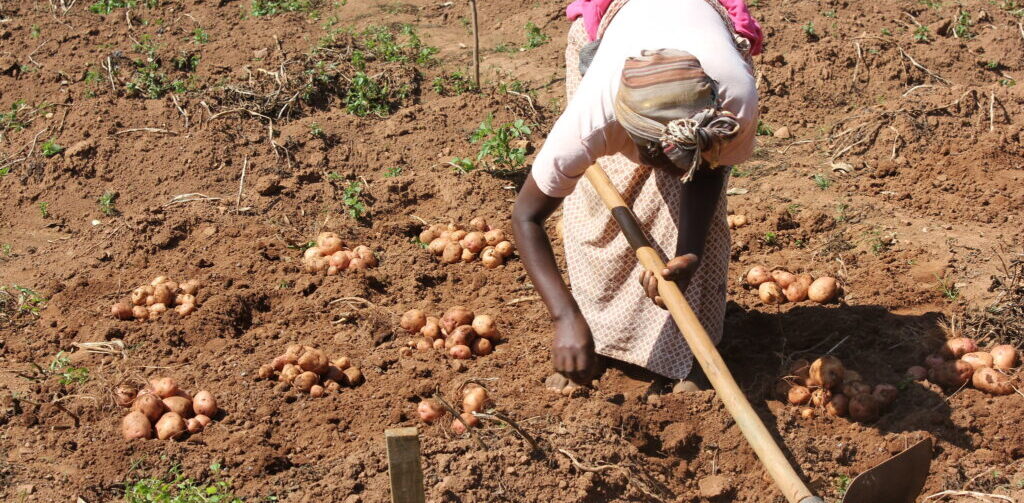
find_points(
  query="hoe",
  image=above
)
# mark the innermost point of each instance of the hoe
(896, 480)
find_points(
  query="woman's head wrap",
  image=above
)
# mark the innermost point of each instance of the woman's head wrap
(669, 106)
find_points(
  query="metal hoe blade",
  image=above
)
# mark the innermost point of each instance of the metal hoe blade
(897, 480)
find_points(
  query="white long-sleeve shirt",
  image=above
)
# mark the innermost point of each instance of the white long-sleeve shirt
(587, 130)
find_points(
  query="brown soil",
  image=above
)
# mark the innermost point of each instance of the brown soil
(925, 172)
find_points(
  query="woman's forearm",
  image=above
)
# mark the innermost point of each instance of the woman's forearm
(531, 210)
(697, 207)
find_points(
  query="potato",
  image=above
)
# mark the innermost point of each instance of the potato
(353, 377)
(838, 406)
(413, 320)
(140, 313)
(266, 371)
(483, 325)
(121, 311)
(951, 374)
(139, 295)
(795, 292)
(782, 387)
(427, 235)
(800, 369)
(437, 246)
(457, 235)
(316, 391)
(978, 359)
(739, 221)
(156, 310)
(204, 403)
(313, 360)
(179, 405)
(124, 395)
(456, 316)
(474, 241)
(917, 373)
(288, 358)
(462, 335)
(807, 413)
(783, 277)
(431, 329)
(329, 242)
(136, 425)
(1004, 357)
(934, 360)
(159, 280)
(460, 352)
(204, 420)
(957, 347)
(479, 224)
(757, 275)
(190, 287)
(305, 380)
(823, 290)
(458, 428)
(854, 388)
(863, 408)
(289, 373)
(468, 256)
(164, 387)
(331, 387)
(452, 253)
(504, 249)
(150, 405)
(826, 372)
(365, 253)
(771, 293)
(185, 309)
(184, 298)
(439, 343)
(359, 264)
(424, 345)
(170, 425)
(851, 375)
(193, 425)
(820, 397)
(313, 252)
(340, 260)
(885, 394)
(163, 295)
(342, 362)
(992, 381)
(798, 395)
(482, 347)
(494, 236)
(429, 411)
(335, 374)
(490, 258)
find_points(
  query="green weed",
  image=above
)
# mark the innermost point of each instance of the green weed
(108, 6)
(14, 120)
(44, 209)
(176, 488)
(186, 62)
(392, 172)
(50, 148)
(453, 84)
(271, 7)
(962, 26)
(34, 31)
(770, 239)
(809, 30)
(6, 249)
(842, 484)
(921, 34)
(106, 202)
(385, 44)
(352, 198)
(26, 299)
(822, 181)
(199, 36)
(149, 81)
(315, 130)
(496, 149)
(367, 96)
(764, 129)
(534, 37)
(69, 374)
(948, 288)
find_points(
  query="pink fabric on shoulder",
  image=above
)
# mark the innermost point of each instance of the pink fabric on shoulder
(593, 10)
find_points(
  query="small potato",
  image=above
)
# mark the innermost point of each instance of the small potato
(427, 235)
(483, 325)
(494, 236)
(456, 316)
(431, 328)
(934, 360)
(288, 358)
(413, 320)
(163, 295)
(1004, 357)
(289, 373)
(312, 253)
(328, 238)
(424, 345)
(159, 280)
(156, 310)
(957, 347)
(140, 313)
(332, 387)
(504, 249)
(150, 300)
(468, 256)
(474, 242)
(437, 246)
(439, 343)
(170, 425)
(826, 372)
(429, 411)
(479, 224)
(951, 374)
(266, 371)
(342, 362)
(854, 388)
(190, 287)
(314, 360)
(359, 264)
(121, 311)
(457, 235)
(490, 258)
(452, 253)
(978, 359)
(365, 253)
(458, 428)
(798, 395)
(863, 408)
(807, 413)
(462, 334)
(316, 391)
(783, 278)
(150, 405)
(164, 386)
(335, 374)
(992, 381)
(203, 420)
(838, 406)
(820, 397)
(340, 260)
(204, 403)
(124, 395)
(757, 275)
(771, 293)
(885, 394)
(917, 373)
(823, 290)
(482, 347)
(460, 352)
(179, 405)
(136, 425)
(184, 309)
(139, 295)
(184, 298)
(796, 291)
(353, 377)
(193, 425)
(739, 221)
(305, 381)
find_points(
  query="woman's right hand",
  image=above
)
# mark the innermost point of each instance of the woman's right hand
(572, 351)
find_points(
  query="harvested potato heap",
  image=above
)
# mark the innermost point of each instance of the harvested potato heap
(736, 221)
(825, 385)
(474, 399)
(780, 285)
(149, 302)
(460, 332)
(308, 370)
(331, 257)
(165, 408)
(454, 244)
(959, 362)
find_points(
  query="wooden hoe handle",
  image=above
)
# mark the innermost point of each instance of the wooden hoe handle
(703, 349)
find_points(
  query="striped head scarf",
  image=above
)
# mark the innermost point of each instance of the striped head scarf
(670, 109)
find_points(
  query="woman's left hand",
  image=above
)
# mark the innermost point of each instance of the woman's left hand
(679, 269)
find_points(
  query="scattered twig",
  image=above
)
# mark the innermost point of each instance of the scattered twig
(350, 300)
(241, 182)
(147, 130)
(181, 110)
(921, 67)
(498, 416)
(972, 494)
(587, 468)
(187, 198)
(529, 298)
(115, 347)
(991, 112)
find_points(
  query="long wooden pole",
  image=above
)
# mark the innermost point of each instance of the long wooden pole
(476, 45)
(775, 462)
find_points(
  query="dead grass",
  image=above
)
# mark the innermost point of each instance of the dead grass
(1002, 322)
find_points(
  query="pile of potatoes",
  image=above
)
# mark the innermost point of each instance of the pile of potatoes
(452, 244)
(330, 256)
(780, 285)
(164, 407)
(959, 362)
(474, 399)
(149, 302)
(736, 221)
(826, 385)
(307, 369)
(461, 332)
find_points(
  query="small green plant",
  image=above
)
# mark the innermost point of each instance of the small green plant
(107, 203)
(763, 129)
(842, 484)
(534, 37)
(793, 209)
(822, 181)
(453, 84)
(809, 30)
(199, 36)
(419, 243)
(367, 96)
(770, 238)
(948, 288)
(149, 82)
(352, 198)
(886, 32)
(829, 13)
(931, 4)
(34, 31)
(186, 62)
(271, 7)
(176, 488)
(462, 164)
(740, 173)
(993, 65)
(6, 249)
(26, 299)
(921, 34)
(841, 215)
(334, 177)
(504, 47)
(315, 130)
(392, 172)
(44, 209)
(1007, 82)
(108, 6)
(962, 26)
(69, 374)
(496, 146)
(50, 148)
(145, 45)
(14, 120)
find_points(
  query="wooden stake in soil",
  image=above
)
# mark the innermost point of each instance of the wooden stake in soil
(403, 446)
(476, 45)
